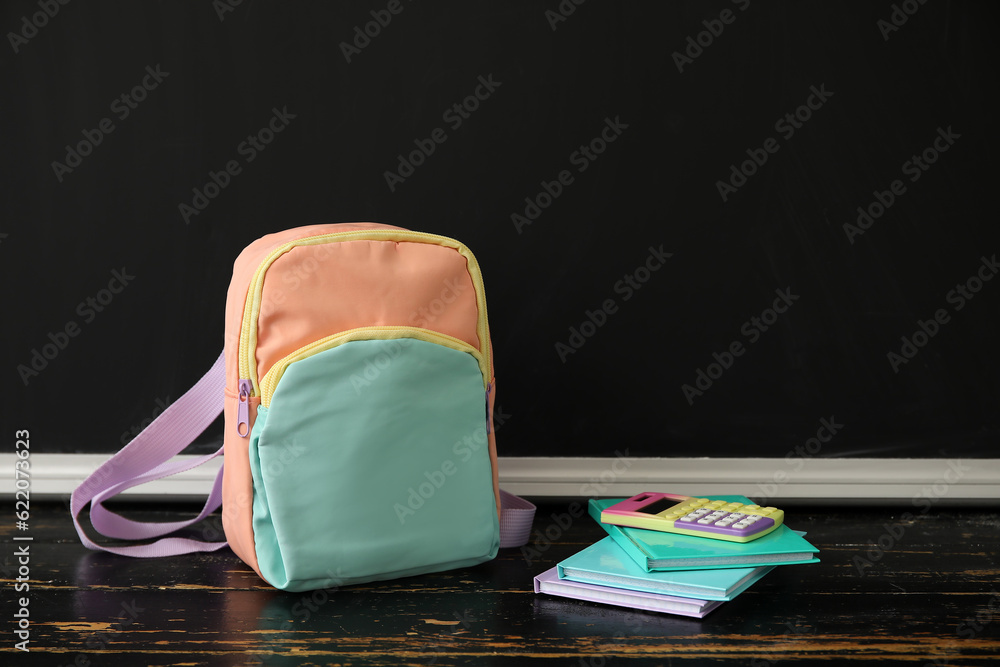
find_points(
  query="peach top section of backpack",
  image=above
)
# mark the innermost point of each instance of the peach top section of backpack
(314, 291)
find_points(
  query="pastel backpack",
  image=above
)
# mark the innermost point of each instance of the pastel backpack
(357, 389)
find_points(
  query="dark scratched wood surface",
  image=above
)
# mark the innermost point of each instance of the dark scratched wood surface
(911, 588)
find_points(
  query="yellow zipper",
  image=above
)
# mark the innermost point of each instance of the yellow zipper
(270, 380)
(251, 311)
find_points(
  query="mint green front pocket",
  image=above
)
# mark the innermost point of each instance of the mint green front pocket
(372, 462)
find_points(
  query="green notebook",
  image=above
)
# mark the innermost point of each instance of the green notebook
(656, 551)
(607, 564)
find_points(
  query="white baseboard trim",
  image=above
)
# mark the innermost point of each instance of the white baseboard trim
(820, 480)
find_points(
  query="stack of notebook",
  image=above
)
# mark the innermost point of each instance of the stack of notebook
(667, 572)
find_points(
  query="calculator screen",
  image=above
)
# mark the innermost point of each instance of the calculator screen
(658, 506)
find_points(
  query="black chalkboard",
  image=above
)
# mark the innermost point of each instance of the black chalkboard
(707, 228)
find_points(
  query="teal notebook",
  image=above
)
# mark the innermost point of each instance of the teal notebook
(607, 564)
(657, 551)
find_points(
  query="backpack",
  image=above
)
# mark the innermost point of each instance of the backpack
(357, 389)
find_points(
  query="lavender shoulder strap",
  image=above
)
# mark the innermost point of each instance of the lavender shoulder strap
(147, 458)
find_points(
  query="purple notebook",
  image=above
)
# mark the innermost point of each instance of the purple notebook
(549, 582)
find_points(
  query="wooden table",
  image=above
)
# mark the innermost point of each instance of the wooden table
(916, 587)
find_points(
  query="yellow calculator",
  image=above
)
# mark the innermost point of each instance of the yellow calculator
(701, 517)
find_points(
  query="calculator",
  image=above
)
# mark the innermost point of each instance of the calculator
(701, 517)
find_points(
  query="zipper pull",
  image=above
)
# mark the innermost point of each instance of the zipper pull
(243, 409)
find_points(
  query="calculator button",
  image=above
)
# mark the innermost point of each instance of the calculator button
(688, 519)
(737, 515)
(769, 510)
(753, 518)
(705, 522)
